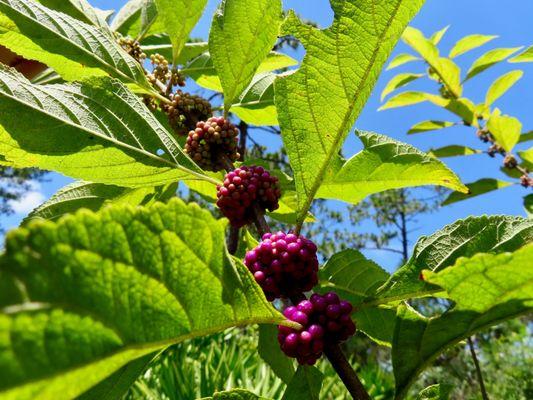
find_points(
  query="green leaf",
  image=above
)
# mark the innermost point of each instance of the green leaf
(201, 69)
(104, 289)
(430, 125)
(463, 238)
(138, 18)
(78, 130)
(179, 18)
(502, 85)
(527, 155)
(352, 276)
(256, 104)
(117, 384)
(525, 56)
(242, 34)
(505, 129)
(318, 104)
(446, 70)
(79, 9)
(453, 150)
(437, 36)
(476, 188)
(468, 43)
(486, 289)
(305, 384)
(269, 350)
(397, 82)
(377, 323)
(526, 137)
(75, 50)
(440, 391)
(385, 164)
(401, 59)
(489, 59)
(235, 394)
(404, 99)
(528, 205)
(160, 44)
(94, 196)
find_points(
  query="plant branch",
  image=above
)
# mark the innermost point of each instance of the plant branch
(478, 370)
(345, 371)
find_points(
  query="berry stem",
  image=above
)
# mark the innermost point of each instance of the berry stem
(482, 388)
(233, 240)
(345, 371)
(259, 220)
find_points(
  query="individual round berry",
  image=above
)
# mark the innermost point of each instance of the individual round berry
(211, 142)
(185, 110)
(243, 188)
(319, 327)
(289, 273)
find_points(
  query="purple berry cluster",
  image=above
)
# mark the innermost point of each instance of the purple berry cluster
(244, 187)
(211, 141)
(283, 264)
(325, 319)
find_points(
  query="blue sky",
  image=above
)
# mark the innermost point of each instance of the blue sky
(510, 21)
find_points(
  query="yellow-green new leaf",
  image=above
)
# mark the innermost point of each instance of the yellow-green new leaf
(137, 19)
(104, 289)
(79, 131)
(505, 129)
(385, 164)
(402, 59)
(430, 125)
(179, 18)
(242, 34)
(79, 9)
(318, 104)
(525, 56)
(468, 43)
(486, 289)
(527, 155)
(502, 85)
(489, 59)
(445, 69)
(404, 99)
(437, 36)
(74, 49)
(476, 188)
(453, 150)
(397, 82)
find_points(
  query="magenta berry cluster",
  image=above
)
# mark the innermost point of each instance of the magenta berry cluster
(283, 264)
(325, 320)
(244, 187)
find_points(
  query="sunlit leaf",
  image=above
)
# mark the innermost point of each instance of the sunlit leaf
(489, 59)
(505, 129)
(242, 35)
(104, 289)
(476, 188)
(402, 59)
(468, 43)
(305, 384)
(453, 150)
(437, 36)
(270, 351)
(318, 104)
(525, 56)
(502, 85)
(385, 164)
(430, 125)
(486, 289)
(397, 82)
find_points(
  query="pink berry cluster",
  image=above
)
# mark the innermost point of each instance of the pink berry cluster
(325, 319)
(244, 187)
(283, 264)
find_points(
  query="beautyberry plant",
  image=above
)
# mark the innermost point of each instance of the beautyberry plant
(114, 268)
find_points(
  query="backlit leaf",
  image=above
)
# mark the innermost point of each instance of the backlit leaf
(402, 59)
(502, 85)
(385, 164)
(476, 188)
(489, 59)
(505, 129)
(453, 150)
(397, 82)
(468, 43)
(430, 125)
(525, 56)
(242, 35)
(318, 104)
